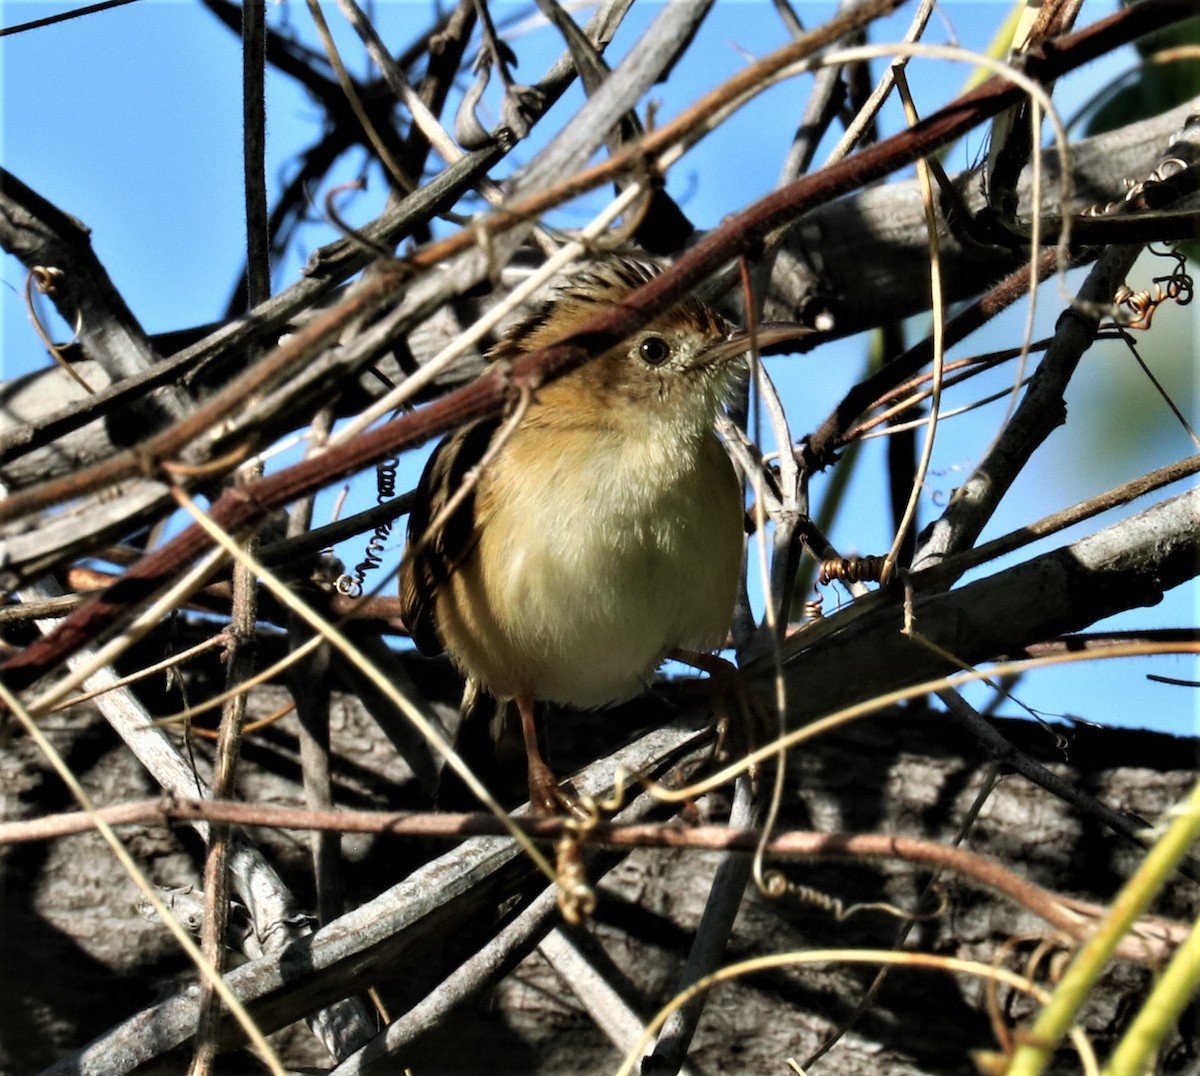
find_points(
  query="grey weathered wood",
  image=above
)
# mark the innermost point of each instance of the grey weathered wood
(832, 257)
(854, 255)
(1124, 566)
(276, 916)
(43, 236)
(370, 940)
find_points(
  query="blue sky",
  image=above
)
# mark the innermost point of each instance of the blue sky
(130, 119)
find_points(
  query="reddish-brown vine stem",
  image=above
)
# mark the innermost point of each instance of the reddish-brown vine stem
(738, 234)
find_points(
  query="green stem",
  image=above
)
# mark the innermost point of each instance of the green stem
(1136, 1050)
(1031, 1058)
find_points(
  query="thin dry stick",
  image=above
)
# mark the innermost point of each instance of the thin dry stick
(339, 640)
(962, 369)
(220, 639)
(310, 687)
(1003, 751)
(45, 280)
(180, 590)
(1162, 391)
(866, 115)
(45, 609)
(254, 143)
(712, 932)
(422, 117)
(1038, 414)
(216, 863)
(271, 908)
(1030, 29)
(1068, 517)
(776, 606)
(476, 972)
(403, 180)
(211, 975)
(820, 446)
(856, 956)
(578, 959)
(250, 726)
(245, 605)
(1035, 238)
(298, 654)
(883, 701)
(939, 343)
(1155, 940)
(864, 433)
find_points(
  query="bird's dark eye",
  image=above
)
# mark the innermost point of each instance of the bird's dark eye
(654, 350)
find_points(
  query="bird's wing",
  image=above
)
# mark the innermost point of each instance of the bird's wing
(429, 559)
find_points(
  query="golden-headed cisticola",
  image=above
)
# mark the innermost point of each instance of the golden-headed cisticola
(606, 530)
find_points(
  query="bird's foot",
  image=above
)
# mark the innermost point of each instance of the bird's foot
(731, 698)
(546, 796)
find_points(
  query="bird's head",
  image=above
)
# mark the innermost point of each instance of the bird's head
(674, 372)
(678, 366)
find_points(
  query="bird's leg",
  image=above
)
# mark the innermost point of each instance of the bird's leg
(544, 794)
(725, 682)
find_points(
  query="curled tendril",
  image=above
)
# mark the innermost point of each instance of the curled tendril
(850, 570)
(776, 886)
(1136, 309)
(348, 584)
(47, 278)
(576, 898)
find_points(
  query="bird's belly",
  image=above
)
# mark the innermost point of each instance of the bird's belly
(581, 608)
(601, 621)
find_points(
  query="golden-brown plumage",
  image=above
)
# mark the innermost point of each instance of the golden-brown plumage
(607, 530)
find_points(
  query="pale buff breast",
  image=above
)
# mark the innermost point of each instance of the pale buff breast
(601, 571)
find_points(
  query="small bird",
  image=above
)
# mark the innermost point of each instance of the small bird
(605, 532)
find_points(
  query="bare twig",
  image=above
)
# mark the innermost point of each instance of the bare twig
(40, 234)
(374, 937)
(216, 862)
(1067, 914)
(487, 394)
(1041, 410)
(309, 684)
(712, 936)
(1002, 750)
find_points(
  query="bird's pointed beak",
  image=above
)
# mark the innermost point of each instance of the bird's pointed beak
(740, 341)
